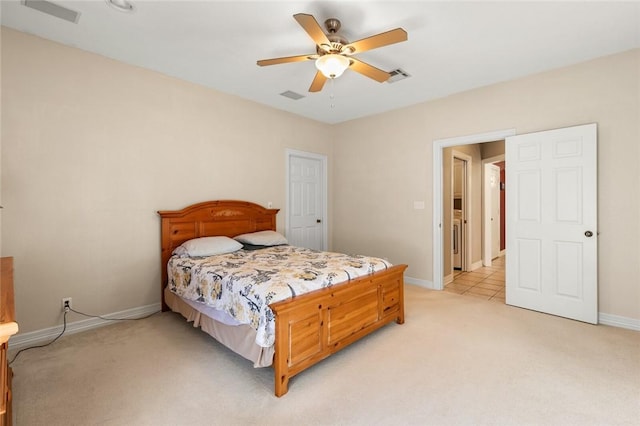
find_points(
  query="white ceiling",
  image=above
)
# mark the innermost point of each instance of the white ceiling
(452, 46)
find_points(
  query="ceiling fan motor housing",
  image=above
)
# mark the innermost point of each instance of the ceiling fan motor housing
(337, 41)
(333, 25)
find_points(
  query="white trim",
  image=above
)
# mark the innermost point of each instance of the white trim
(420, 283)
(494, 159)
(23, 340)
(438, 146)
(448, 279)
(476, 265)
(325, 219)
(618, 321)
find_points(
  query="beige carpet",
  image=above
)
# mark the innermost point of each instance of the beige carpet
(457, 360)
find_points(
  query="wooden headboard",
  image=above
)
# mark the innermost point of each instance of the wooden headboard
(207, 219)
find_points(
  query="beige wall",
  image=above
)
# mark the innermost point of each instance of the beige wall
(492, 149)
(383, 164)
(92, 148)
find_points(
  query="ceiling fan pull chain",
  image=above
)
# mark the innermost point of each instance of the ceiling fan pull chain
(332, 96)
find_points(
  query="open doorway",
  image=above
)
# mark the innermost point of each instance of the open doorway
(477, 147)
(474, 215)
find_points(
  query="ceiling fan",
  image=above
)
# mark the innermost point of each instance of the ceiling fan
(334, 53)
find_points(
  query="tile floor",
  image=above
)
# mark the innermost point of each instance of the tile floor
(486, 282)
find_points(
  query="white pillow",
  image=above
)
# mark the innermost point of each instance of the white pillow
(207, 246)
(262, 238)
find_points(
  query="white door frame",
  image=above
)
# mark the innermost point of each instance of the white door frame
(486, 212)
(323, 160)
(438, 147)
(467, 209)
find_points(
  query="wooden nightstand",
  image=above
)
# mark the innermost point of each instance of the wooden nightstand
(8, 327)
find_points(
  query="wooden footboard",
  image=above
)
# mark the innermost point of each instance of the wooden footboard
(315, 325)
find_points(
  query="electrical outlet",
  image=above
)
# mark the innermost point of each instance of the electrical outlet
(66, 304)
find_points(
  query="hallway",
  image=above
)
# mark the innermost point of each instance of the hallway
(487, 282)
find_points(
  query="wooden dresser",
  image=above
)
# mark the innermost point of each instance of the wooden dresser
(8, 327)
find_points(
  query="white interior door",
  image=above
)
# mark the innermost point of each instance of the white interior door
(306, 202)
(491, 213)
(494, 183)
(552, 222)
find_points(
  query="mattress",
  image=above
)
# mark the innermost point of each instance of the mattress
(244, 283)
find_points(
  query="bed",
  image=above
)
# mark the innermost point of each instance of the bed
(308, 327)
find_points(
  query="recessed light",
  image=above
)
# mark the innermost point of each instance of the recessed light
(121, 5)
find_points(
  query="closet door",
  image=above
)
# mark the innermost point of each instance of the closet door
(306, 202)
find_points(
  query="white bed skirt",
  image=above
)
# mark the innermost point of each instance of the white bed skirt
(239, 338)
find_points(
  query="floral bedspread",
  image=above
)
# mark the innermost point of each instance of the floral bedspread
(244, 283)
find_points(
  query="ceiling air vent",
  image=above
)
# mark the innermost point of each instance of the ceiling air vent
(397, 75)
(292, 95)
(53, 10)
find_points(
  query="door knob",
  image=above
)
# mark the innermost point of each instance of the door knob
(318, 221)
(588, 234)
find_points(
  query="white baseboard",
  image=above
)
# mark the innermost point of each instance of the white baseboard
(23, 340)
(618, 321)
(420, 283)
(448, 279)
(476, 265)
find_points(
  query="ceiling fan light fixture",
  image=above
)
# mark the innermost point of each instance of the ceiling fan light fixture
(332, 65)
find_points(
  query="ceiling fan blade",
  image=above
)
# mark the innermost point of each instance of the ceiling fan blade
(318, 82)
(311, 26)
(378, 40)
(286, 59)
(369, 70)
